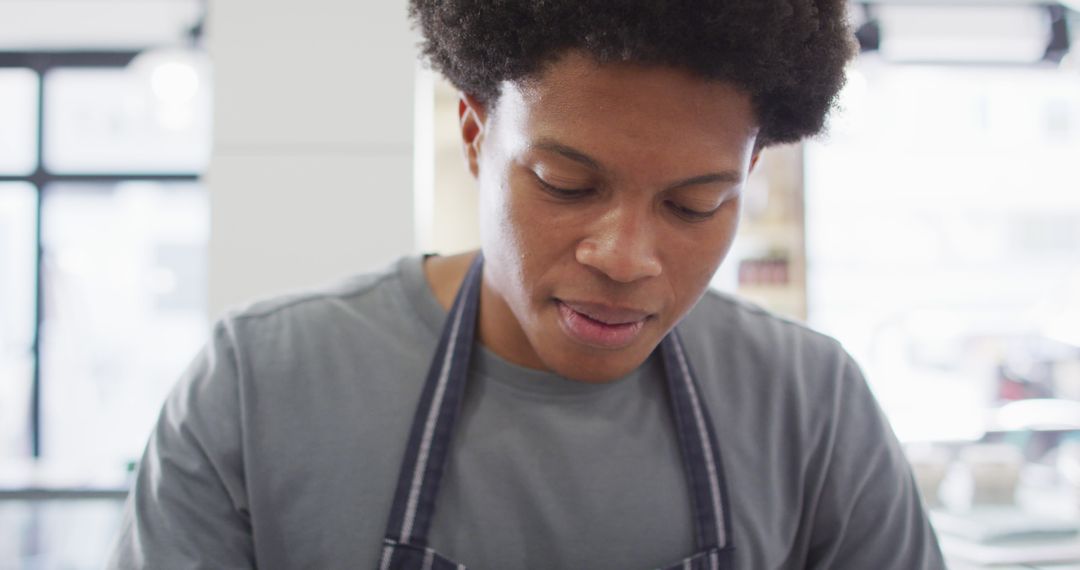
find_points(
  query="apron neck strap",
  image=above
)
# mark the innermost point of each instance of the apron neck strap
(700, 451)
(429, 441)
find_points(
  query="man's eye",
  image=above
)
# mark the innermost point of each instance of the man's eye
(564, 193)
(690, 214)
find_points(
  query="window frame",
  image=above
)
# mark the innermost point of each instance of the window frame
(41, 178)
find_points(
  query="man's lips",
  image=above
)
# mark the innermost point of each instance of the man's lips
(601, 326)
(606, 314)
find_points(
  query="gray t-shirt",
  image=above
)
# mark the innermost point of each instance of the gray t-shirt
(280, 448)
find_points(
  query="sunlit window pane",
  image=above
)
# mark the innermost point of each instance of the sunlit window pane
(125, 311)
(57, 534)
(132, 120)
(18, 121)
(18, 204)
(943, 236)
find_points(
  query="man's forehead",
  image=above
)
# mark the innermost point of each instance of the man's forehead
(603, 123)
(577, 88)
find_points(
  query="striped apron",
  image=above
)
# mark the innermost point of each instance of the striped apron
(405, 546)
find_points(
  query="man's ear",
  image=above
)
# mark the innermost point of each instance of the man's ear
(754, 159)
(472, 119)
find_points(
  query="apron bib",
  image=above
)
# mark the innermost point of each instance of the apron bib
(405, 546)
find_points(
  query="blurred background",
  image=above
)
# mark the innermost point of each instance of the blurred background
(164, 160)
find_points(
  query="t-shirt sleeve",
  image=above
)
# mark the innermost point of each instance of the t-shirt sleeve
(188, 505)
(869, 513)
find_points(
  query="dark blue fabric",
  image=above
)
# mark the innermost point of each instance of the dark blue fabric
(714, 443)
(724, 560)
(451, 403)
(410, 557)
(705, 532)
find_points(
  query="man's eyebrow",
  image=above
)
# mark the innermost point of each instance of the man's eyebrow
(567, 152)
(571, 153)
(725, 177)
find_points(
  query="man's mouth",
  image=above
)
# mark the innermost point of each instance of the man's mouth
(599, 325)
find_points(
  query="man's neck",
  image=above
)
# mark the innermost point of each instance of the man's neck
(497, 328)
(445, 274)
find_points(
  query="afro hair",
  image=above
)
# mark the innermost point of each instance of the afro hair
(789, 55)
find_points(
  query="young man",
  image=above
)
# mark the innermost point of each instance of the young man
(571, 396)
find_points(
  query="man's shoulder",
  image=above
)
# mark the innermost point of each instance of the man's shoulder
(346, 290)
(365, 301)
(762, 357)
(733, 320)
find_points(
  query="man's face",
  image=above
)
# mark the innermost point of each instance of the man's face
(609, 194)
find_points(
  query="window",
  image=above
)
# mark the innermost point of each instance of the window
(103, 234)
(114, 121)
(943, 231)
(18, 204)
(18, 113)
(124, 267)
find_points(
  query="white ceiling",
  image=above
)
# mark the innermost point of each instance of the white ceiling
(94, 24)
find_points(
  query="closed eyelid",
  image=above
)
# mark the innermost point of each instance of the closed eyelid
(553, 178)
(693, 214)
(562, 191)
(708, 198)
(700, 208)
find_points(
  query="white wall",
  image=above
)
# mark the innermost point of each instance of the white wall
(312, 171)
(455, 226)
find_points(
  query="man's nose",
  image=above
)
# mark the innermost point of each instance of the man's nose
(621, 245)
